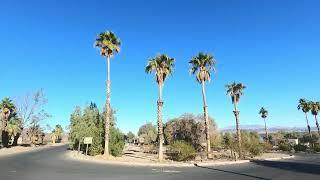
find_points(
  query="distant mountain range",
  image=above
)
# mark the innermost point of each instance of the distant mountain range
(260, 129)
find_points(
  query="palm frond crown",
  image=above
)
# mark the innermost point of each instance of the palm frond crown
(202, 65)
(315, 107)
(108, 43)
(304, 105)
(162, 65)
(7, 106)
(235, 90)
(263, 112)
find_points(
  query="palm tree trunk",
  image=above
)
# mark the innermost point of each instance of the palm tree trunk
(206, 120)
(265, 128)
(107, 112)
(315, 117)
(4, 133)
(15, 139)
(236, 114)
(309, 129)
(160, 126)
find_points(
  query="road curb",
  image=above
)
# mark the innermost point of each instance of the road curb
(222, 163)
(276, 159)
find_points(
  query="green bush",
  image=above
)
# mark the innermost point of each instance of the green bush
(300, 147)
(181, 151)
(116, 141)
(285, 147)
(257, 149)
(316, 147)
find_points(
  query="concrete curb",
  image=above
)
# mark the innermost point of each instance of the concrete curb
(276, 159)
(222, 163)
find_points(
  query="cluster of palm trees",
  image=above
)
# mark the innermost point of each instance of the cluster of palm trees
(310, 106)
(202, 65)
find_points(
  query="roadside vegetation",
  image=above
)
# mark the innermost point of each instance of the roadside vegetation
(90, 122)
(184, 138)
(20, 119)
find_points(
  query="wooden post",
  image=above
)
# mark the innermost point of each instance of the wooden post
(87, 149)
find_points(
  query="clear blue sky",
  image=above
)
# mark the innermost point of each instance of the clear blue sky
(271, 46)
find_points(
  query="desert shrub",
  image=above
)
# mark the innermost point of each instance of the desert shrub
(257, 149)
(251, 143)
(148, 132)
(216, 141)
(116, 142)
(316, 147)
(300, 147)
(267, 147)
(150, 148)
(181, 151)
(188, 128)
(285, 147)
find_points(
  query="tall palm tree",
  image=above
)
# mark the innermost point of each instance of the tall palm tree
(162, 65)
(315, 108)
(235, 90)
(109, 44)
(305, 107)
(202, 65)
(7, 109)
(264, 114)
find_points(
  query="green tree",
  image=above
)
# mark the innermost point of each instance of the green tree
(109, 44)
(58, 132)
(264, 114)
(162, 65)
(188, 128)
(148, 132)
(90, 123)
(14, 127)
(7, 110)
(235, 91)
(315, 107)
(304, 106)
(116, 141)
(130, 137)
(35, 133)
(202, 65)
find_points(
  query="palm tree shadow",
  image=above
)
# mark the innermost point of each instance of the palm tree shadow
(290, 166)
(231, 172)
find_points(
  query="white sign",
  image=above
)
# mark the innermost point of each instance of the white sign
(87, 140)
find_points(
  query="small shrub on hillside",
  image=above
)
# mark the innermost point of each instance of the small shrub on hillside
(257, 149)
(300, 147)
(285, 147)
(181, 151)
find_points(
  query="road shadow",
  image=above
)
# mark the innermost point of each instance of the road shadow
(290, 166)
(231, 172)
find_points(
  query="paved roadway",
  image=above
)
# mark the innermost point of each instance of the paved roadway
(51, 164)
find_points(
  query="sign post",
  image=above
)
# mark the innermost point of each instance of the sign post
(87, 141)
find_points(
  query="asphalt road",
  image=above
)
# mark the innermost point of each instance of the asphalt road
(51, 164)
